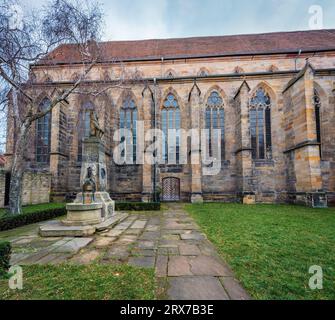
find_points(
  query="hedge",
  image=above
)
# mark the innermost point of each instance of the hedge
(11, 222)
(137, 206)
(5, 251)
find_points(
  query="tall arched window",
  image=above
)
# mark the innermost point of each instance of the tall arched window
(170, 120)
(317, 106)
(43, 134)
(128, 120)
(215, 119)
(84, 126)
(260, 125)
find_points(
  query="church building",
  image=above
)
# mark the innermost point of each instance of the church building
(272, 96)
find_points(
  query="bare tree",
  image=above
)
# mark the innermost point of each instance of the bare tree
(27, 38)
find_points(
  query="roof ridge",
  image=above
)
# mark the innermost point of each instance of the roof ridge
(222, 36)
(201, 47)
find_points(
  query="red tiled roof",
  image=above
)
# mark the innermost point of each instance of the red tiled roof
(279, 42)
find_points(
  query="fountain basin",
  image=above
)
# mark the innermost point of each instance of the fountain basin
(83, 214)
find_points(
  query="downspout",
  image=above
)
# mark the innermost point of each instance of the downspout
(296, 59)
(155, 125)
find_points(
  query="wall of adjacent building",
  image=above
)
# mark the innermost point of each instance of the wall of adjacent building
(36, 188)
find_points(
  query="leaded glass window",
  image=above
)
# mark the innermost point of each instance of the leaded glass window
(215, 120)
(171, 120)
(128, 122)
(43, 134)
(260, 125)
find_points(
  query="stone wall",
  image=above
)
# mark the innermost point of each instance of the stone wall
(36, 188)
(287, 173)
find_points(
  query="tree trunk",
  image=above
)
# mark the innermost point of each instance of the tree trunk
(15, 191)
(18, 166)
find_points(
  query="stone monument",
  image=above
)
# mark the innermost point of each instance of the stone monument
(93, 209)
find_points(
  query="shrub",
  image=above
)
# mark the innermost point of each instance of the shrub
(5, 251)
(137, 206)
(10, 222)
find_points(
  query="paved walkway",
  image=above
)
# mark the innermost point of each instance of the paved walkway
(186, 264)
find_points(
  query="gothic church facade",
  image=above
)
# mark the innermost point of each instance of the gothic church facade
(271, 95)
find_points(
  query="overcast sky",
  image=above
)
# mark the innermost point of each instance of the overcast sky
(144, 19)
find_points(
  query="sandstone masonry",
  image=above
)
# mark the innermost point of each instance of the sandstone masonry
(296, 171)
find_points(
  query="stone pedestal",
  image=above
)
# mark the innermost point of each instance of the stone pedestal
(94, 158)
(197, 198)
(83, 214)
(103, 198)
(249, 199)
(93, 210)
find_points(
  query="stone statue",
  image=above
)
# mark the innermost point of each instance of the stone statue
(89, 185)
(95, 129)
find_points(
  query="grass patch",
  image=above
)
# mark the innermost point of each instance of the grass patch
(272, 247)
(91, 282)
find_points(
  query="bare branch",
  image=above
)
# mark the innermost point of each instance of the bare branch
(31, 40)
(64, 96)
(14, 84)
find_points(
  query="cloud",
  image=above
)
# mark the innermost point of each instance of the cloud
(130, 20)
(144, 19)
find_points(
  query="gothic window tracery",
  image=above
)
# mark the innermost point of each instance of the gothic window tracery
(170, 120)
(128, 123)
(215, 119)
(260, 125)
(43, 134)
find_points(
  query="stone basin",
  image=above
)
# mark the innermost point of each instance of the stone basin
(83, 214)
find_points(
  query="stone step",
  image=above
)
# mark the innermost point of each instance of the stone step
(57, 229)
(112, 222)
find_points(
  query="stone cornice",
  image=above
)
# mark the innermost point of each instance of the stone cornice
(302, 145)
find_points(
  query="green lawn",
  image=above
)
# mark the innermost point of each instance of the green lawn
(272, 247)
(36, 207)
(92, 282)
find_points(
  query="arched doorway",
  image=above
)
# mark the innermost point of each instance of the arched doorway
(171, 189)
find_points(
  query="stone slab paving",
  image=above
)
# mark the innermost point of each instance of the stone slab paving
(196, 288)
(187, 265)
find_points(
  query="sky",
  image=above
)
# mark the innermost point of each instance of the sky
(147, 19)
(143, 19)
